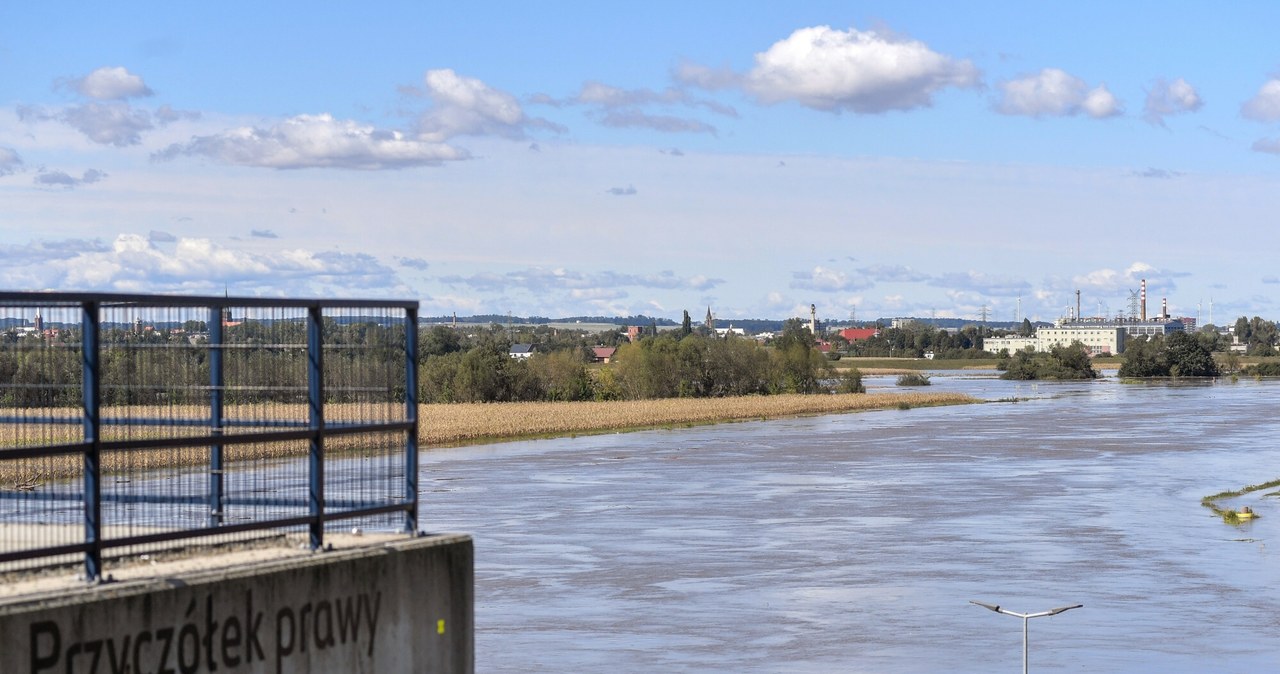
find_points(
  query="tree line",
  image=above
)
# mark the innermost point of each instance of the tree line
(267, 362)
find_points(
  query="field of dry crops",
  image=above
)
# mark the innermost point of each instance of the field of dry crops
(440, 425)
(462, 423)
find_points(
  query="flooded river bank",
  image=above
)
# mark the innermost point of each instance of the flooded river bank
(853, 543)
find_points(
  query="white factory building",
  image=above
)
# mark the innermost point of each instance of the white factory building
(1097, 340)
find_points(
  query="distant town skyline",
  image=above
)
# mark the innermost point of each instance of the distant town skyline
(888, 159)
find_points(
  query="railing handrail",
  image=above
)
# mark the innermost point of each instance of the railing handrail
(312, 427)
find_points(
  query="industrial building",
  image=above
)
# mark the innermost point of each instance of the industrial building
(1098, 335)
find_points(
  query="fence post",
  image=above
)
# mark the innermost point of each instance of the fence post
(411, 410)
(315, 402)
(90, 368)
(217, 381)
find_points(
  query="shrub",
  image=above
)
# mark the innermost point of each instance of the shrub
(914, 379)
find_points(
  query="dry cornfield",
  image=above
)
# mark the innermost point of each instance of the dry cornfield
(462, 423)
(440, 425)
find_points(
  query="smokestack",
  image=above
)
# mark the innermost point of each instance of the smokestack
(813, 319)
(1164, 307)
(1078, 316)
(1144, 299)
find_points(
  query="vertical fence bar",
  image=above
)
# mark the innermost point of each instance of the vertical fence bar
(217, 381)
(90, 367)
(315, 402)
(411, 411)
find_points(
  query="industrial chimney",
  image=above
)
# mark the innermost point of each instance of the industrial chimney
(1144, 300)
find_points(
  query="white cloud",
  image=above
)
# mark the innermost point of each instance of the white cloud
(1055, 93)
(137, 263)
(468, 106)
(1127, 280)
(10, 161)
(1170, 98)
(824, 279)
(113, 123)
(310, 141)
(110, 84)
(862, 72)
(1265, 105)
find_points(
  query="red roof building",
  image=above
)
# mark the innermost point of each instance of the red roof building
(857, 334)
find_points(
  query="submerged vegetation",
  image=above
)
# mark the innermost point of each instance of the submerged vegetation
(914, 379)
(1059, 362)
(1230, 515)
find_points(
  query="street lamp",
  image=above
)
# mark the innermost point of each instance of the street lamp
(1025, 617)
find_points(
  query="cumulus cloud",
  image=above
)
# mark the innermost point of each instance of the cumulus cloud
(465, 106)
(824, 279)
(1265, 105)
(316, 141)
(158, 236)
(107, 123)
(862, 72)
(1129, 279)
(108, 119)
(1170, 98)
(621, 191)
(111, 123)
(110, 84)
(263, 234)
(132, 263)
(10, 161)
(1055, 93)
(64, 179)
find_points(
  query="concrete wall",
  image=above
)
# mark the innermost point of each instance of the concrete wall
(403, 606)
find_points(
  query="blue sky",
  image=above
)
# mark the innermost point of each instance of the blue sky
(874, 159)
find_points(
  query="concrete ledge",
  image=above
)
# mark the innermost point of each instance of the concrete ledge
(393, 604)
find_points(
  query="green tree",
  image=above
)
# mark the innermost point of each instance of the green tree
(686, 325)
(1059, 362)
(1144, 357)
(1189, 357)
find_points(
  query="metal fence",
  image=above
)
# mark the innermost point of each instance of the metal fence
(137, 422)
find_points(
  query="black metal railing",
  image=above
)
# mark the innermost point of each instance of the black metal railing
(131, 422)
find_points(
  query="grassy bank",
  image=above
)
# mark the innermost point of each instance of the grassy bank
(441, 425)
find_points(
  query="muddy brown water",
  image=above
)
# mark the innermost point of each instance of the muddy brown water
(854, 543)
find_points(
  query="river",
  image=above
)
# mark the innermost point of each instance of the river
(854, 542)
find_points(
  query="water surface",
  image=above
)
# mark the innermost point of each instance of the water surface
(854, 542)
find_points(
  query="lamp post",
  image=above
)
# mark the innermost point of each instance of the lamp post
(1025, 617)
